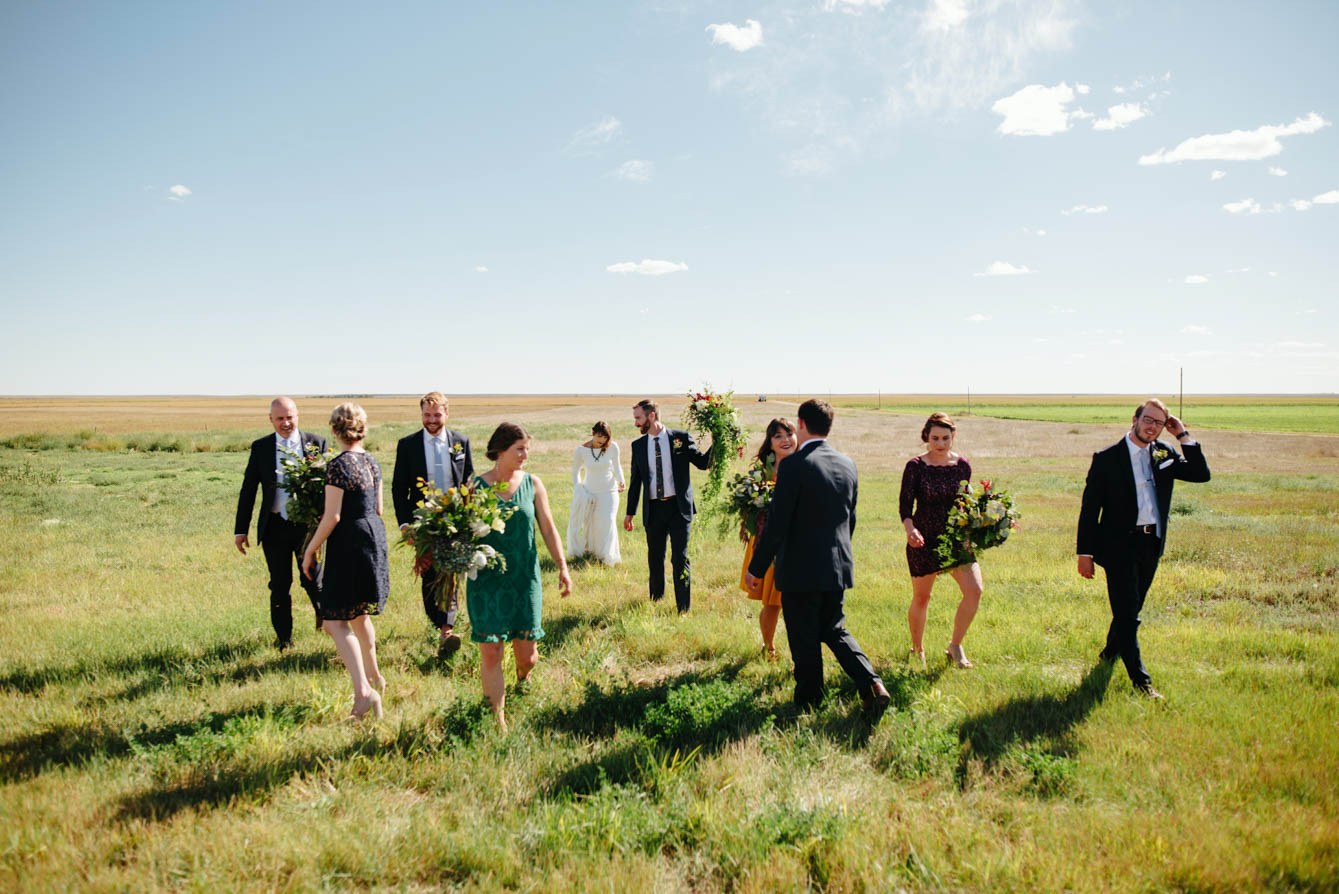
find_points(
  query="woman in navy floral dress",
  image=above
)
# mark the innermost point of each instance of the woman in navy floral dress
(930, 484)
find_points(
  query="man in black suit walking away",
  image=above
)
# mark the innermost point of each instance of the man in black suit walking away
(441, 457)
(280, 539)
(808, 532)
(660, 460)
(1123, 522)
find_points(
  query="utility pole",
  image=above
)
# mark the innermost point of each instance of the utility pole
(969, 400)
(1181, 397)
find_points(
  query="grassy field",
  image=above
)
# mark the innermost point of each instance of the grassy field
(152, 738)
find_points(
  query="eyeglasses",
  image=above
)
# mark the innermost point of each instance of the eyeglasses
(1146, 420)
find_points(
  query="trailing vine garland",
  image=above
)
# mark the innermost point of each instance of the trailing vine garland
(711, 413)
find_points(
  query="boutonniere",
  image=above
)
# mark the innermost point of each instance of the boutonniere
(1160, 453)
(677, 443)
(457, 449)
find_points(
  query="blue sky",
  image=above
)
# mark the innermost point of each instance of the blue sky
(820, 195)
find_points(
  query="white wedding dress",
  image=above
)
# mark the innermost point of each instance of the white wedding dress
(592, 528)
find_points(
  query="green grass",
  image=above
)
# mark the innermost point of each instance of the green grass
(1315, 415)
(151, 738)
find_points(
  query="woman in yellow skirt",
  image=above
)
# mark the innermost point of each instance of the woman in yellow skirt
(777, 444)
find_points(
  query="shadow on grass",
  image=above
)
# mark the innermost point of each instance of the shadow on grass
(289, 662)
(173, 663)
(1022, 721)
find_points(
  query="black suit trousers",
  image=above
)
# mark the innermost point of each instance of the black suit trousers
(436, 616)
(663, 519)
(1129, 574)
(812, 620)
(282, 545)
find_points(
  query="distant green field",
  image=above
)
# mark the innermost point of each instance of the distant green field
(1309, 414)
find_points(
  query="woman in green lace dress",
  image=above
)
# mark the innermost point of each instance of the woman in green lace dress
(504, 606)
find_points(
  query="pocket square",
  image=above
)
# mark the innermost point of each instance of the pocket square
(1166, 463)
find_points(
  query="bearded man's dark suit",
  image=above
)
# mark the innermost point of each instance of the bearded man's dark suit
(808, 533)
(672, 516)
(411, 464)
(1129, 555)
(279, 539)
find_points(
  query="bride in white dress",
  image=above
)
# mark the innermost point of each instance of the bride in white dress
(597, 480)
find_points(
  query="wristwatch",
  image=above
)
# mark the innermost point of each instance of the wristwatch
(1185, 433)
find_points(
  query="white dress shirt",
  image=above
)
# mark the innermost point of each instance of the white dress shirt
(294, 443)
(664, 439)
(430, 458)
(1141, 462)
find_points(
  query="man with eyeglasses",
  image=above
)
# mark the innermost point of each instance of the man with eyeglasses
(1123, 522)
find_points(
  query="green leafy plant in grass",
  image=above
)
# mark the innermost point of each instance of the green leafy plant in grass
(699, 712)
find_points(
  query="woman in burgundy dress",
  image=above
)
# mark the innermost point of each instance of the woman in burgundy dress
(930, 483)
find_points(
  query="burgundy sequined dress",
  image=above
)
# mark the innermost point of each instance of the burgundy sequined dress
(931, 490)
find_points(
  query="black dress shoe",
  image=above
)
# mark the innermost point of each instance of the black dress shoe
(1147, 690)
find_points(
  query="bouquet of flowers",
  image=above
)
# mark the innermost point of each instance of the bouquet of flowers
(751, 493)
(709, 413)
(304, 475)
(448, 530)
(980, 518)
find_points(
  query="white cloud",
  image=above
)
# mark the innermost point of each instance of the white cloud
(1032, 232)
(481, 269)
(179, 192)
(592, 138)
(1004, 268)
(944, 15)
(1273, 273)
(1327, 198)
(647, 267)
(1300, 204)
(1236, 145)
(1195, 330)
(1238, 270)
(1057, 309)
(1217, 175)
(1085, 209)
(736, 38)
(636, 170)
(1035, 111)
(854, 5)
(1278, 172)
(1195, 279)
(978, 318)
(1120, 116)
(1245, 206)
(1083, 89)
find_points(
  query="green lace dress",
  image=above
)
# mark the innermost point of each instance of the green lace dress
(505, 605)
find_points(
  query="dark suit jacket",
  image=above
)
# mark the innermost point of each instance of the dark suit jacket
(680, 457)
(810, 522)
(411, 464)
(1111, 507)
(261, 467)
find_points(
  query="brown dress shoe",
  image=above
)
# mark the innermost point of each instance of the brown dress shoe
(1148, 691)
(875, 700)
(449, 645)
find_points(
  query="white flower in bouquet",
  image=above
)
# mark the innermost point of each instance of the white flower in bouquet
(994, 511)
(480, 529)
(499, 525)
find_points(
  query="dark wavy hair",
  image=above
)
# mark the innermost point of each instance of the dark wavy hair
(943, 420)
(776, 425)
(504, 436)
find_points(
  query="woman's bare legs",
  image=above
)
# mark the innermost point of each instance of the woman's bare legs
(367, 641)
(351, 653)
(969, 582)
(920, 605)
(490, 674)
(767, 619)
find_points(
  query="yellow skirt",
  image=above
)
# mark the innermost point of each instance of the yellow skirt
(769, 594)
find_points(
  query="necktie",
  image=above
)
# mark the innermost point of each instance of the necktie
(439, 470)
(293, 445)
(660, 472)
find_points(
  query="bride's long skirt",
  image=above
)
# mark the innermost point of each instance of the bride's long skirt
(593, 526)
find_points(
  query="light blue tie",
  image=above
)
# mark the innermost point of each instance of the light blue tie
(439, 470)
(296, 447)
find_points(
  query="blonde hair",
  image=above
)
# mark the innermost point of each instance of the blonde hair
(1151, 402)
(432, 398)
(943, 420)
(349, 422)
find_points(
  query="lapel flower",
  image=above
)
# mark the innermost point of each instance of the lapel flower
(457, 449)
(677, 443)
(1159, 453)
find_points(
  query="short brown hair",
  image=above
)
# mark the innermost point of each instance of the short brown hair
(432, 398)
(646, 405)
(1151, 402)
(776, 425)
(817, 416)
(349, 422)
(602, 428)
(504, 436)
(943, 420)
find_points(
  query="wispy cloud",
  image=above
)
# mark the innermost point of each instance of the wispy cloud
(1217, 175)
(1144, 83)
(944, 15)
(978, 318)
(1032, 232)
(854, 5)
(1278, 172)
(481, 269)
(647, 267)
(1245, 206)
(1120, 116)
(1196, 279)
(1236, 145)
(1004, 268)
(179, 192)
(1059, 309)
(1196, 330)
(595, 136)
(636, 170)
(736, 38)
(1085, 209)
(1327, 198)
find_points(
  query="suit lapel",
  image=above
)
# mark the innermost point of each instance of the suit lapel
(1127, 474)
